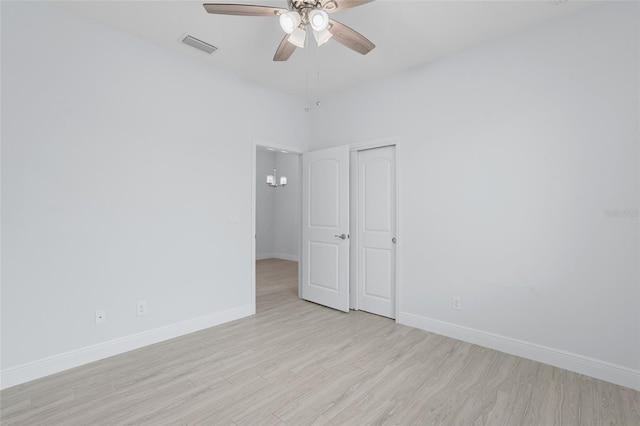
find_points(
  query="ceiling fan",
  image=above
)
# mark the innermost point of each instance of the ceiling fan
(303, 14)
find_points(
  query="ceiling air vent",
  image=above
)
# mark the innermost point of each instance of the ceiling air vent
(199, 44)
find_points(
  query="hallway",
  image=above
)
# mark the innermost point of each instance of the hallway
(276, 284)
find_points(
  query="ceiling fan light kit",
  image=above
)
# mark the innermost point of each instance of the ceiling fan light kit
(300, 15)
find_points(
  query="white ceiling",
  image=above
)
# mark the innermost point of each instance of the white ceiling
(406, 33)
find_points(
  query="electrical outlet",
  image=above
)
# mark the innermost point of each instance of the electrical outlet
(456, 303)
(101, 316)
(141, 307)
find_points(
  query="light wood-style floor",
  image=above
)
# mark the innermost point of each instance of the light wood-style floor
(298, 363)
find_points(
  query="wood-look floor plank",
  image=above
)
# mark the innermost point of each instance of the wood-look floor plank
(298, 363)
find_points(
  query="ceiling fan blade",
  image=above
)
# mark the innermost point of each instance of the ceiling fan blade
(242, 9)
(285, 50)
(350, 38)
(345, 4)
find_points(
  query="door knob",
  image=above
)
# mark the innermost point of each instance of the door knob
(342, 237)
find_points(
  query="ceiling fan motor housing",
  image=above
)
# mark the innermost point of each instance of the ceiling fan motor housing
(301, 5)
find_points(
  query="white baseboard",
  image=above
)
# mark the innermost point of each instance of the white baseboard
(283, 256)
(619, 375)
(286, 256)
(56, 363)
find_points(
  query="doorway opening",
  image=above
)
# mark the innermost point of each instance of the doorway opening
(276, 225)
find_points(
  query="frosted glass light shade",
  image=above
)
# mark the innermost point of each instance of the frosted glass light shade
(289, 21)
(319, 20)
(270, 179)
(283, 180)
(322, 36)
(298, 37)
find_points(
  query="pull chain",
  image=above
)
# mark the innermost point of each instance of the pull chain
(306, 108)
(307, 97)
(318, 76)
(318, 94)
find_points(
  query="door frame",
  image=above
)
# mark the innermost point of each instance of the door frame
(354, 282)
(289, 150)
(353, 147)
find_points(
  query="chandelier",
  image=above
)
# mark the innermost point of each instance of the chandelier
(272, 180)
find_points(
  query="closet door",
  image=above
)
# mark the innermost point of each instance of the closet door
(377, 229)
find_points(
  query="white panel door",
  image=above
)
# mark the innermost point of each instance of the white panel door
(376, 233)
(325, 227)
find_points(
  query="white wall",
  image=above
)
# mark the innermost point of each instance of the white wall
(265, 200)
(121, 163)
(277, 209)
(511, 156)
(288, 201)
